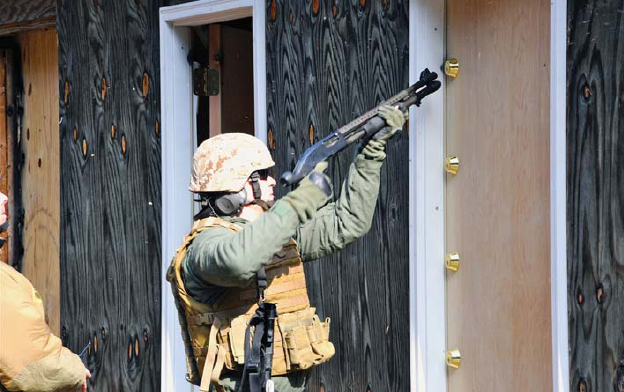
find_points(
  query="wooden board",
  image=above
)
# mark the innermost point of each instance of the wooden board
(5, 149)
(19, 11)
(328, 62)
(595, 207)
(40, 171)
(111, 190)
(13, 91)
(237, 72)
(214, 61)
(498, 206)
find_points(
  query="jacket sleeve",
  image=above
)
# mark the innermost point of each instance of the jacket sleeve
(339, 223)
(220, 257)
(32, 358)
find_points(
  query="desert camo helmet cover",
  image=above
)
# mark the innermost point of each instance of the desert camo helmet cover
(223, 163)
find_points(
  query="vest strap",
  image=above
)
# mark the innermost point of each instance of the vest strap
(214, 358)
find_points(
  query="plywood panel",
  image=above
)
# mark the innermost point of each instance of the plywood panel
(595, 183)
(40, 173)
(328, 62)
(111, 189)
(18, 11)
(497, 207)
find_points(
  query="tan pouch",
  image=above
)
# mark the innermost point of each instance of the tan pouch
(236, 336)
(299, 348)
(318, 334)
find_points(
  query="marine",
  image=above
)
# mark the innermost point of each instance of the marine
(245, 250)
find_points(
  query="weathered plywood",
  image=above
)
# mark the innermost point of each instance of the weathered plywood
(328, 62)
(110, 190)
(498, 205)
(595, 181)
(40, 173)
(19, 11)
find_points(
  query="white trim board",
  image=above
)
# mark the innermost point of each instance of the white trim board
(426, 203)
(178, 142)
(558, 201)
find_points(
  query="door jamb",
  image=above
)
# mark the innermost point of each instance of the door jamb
(426, 203)
(558, 193)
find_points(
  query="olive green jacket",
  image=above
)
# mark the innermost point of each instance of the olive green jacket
(219, 258)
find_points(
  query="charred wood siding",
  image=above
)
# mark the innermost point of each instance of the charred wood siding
(328, 62)
(595, 210)
(19, 11)
(110, 189)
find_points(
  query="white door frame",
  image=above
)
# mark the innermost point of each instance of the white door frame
(427, 48)
(178, 143)
(558, 196)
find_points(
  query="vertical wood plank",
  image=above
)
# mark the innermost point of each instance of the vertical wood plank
(40, 174)
(214, 61)
(110, 193)
(237, 80)
(5, 165)
(13, 123)
(328, 62)
(595, 180)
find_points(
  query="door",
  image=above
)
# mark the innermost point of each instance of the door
(497, 205)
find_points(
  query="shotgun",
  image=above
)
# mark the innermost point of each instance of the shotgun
(363, 127)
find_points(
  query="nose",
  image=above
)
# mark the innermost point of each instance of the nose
(3, 198)
(271, 181)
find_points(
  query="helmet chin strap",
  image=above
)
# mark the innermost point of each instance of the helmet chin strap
(257, 192)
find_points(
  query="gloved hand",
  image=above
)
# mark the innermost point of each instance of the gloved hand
(312, 193)
(395, 119)
(375, 148)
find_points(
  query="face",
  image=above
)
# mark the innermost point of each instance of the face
(3, 208)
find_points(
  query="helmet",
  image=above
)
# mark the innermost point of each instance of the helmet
(224, 162)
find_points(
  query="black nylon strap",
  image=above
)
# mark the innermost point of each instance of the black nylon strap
(261, 282)
(255, 184)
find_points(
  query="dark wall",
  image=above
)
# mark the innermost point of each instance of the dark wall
(19, 11)
(595, 210)
(328, 62)
(110, 190)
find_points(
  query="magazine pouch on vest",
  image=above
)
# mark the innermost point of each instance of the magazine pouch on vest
(214, 335)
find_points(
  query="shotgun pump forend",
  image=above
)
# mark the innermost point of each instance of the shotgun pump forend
(363, 127)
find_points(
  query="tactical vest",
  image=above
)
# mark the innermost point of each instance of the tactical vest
(214, 335)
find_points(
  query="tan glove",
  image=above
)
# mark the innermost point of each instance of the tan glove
(312, 193)
(395, 119)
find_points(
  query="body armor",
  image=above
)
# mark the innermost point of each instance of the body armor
(214, 335)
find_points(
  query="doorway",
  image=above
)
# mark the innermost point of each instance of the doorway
(222, 56)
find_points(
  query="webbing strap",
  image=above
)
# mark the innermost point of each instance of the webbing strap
(214, 362)
(255, 185)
